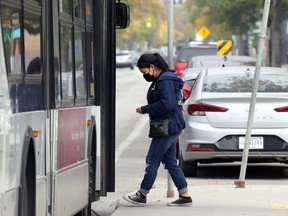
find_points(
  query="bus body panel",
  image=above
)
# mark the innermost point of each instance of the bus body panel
(4, 110)
(71, 137)
(15, 137)
(69, 184)
(70, 150)
(14, 145)
(41, 197)
(9, 203)
(70, 166)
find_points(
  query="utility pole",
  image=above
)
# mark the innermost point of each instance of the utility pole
(170, 191)
(241, 182)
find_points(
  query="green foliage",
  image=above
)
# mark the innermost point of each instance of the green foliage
(137, 31)
(223, 18)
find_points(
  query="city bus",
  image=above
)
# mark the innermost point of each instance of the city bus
(57, 104)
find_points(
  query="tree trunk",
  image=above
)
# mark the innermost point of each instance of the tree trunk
(276, 34)
(242, 45)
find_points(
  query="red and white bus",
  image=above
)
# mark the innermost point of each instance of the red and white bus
(57, 104)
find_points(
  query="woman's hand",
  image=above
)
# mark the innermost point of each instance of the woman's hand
(138, 110)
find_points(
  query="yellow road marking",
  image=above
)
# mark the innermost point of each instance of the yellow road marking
(279, 205)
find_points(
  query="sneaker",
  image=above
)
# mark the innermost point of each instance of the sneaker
(135, 199)
(181, 201)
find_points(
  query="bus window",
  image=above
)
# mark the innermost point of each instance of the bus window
(18, 41)
(90, 66)
(12, 39)
(79, 67)
(78, 8)
(65, 6)
(33, 85)
(32, 42)
(88, 9)
(66, 62)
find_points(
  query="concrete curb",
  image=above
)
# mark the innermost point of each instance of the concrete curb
(212, 200)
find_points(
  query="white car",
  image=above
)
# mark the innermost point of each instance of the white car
(216, 116)
(124, 59)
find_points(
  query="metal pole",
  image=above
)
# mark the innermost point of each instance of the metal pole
(241, 182)
(170, 191)
(170, 33)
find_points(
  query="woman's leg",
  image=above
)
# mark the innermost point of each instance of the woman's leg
(170, 161)
(153, 160)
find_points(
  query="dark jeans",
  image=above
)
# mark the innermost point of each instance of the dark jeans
(163, 150)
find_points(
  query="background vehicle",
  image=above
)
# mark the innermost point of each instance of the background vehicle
(56, 155)
(216, 116)
(197, 63)
(221, 61)
(187, 52)
(124, 59)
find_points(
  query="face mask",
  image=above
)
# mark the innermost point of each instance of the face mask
(148, 77)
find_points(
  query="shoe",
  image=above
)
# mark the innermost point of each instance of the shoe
(135, 199)
(181, 201)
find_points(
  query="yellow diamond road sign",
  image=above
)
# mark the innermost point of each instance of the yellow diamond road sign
(203, 32)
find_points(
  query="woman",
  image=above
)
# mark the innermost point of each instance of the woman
(164, 102)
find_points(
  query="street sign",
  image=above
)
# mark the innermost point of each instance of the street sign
(224, 47)
(204, 32)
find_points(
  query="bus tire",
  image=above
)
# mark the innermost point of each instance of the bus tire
(27, 190)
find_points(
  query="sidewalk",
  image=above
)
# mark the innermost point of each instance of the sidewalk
(212, 200)
(285, 66)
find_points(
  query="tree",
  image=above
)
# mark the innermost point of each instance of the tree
(141, 11)
(226, 18)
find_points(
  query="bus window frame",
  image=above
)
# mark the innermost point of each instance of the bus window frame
(77, 24)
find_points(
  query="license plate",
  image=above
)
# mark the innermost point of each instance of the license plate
(255, 143)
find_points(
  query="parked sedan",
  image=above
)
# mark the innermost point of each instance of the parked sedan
(124, 59)
(216, 116)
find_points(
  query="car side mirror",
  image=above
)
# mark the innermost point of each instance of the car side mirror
(122, 15)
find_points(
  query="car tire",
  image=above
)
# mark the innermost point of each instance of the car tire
(189, 168)
(132, 67)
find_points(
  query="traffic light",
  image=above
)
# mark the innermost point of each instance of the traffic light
(148, 22)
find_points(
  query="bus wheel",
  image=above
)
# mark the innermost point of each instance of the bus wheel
(28, 186)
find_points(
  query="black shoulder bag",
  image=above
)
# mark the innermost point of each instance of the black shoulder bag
(159, 128)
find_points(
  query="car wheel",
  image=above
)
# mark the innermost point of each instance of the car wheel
(189, 168)
(131, 67)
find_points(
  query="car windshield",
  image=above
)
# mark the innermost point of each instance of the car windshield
(187, 53)
(243, 83)
(220, 63)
